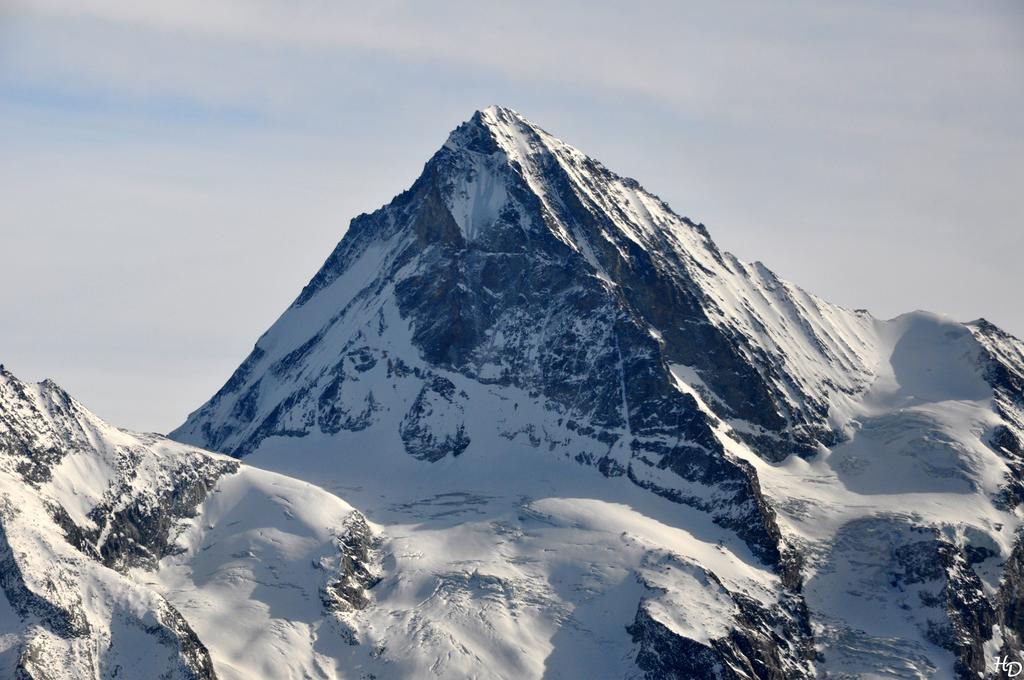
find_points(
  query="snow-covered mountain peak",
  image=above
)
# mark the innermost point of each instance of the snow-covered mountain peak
(518, 137)
(559, 176)
(491, 158)
(522, 320)
(509, 130)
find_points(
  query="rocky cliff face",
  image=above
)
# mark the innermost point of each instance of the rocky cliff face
(517, 262)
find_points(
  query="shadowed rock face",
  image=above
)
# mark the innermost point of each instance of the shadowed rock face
(1009, 604)
(1003, 365)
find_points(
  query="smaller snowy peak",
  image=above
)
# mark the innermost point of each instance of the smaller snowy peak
(120, 553)
(44, 419)
(94, 473)
(13, 390)
(1004, 347)
(81, 503)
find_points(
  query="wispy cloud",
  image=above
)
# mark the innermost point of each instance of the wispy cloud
(168, 166)
(862, 63)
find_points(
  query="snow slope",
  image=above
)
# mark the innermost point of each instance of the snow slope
(515, 565)
(130, 555)
(903, 524)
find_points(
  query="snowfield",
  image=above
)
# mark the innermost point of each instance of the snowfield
(499, 574)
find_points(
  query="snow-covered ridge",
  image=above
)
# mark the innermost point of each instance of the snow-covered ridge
(128, 555)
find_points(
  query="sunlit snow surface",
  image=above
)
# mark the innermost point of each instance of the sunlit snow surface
(519, 564)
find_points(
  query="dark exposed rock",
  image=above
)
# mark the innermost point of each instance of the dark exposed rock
(762, 643)
(432, 428)
(969, 616)
(141, 532)
(1009, 604)
(347, 589)
(1003, 364)
(64, 621)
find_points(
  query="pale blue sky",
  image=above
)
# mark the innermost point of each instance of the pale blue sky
(171, 173)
